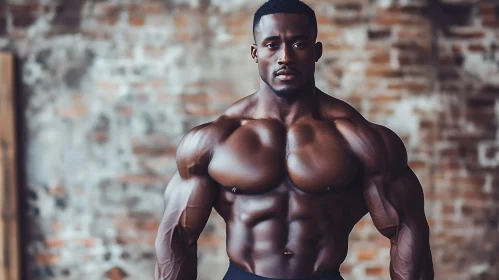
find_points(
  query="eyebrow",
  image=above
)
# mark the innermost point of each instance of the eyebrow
(295, 37)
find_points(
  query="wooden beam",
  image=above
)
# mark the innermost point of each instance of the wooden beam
(9, 222)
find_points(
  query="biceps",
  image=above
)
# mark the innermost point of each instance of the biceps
(382, 212)
(395, 201)
(406, 194)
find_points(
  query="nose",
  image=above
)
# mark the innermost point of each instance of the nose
(286, 55)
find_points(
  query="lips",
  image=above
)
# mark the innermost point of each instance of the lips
(286, 74)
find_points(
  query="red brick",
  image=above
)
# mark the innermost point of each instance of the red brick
(380, 58)
(108, 21)
(488, 9)
(410, 86)
(76, 111)
(124, 111)
(108, 86)
(97, 34)
(323, 20)
(347, 20)
(142, 150)
(412, 46)
(110, 10)
(383, 72)
(411, 34)
(386, 98)
(144, 179)
(116, 273)
(238, 20)
(476, 47)
(87, 242)
(408, 60)
(136, 20)
(55, 243)
(20, 9)
(155, 52)
(183, 36)
(57, 190)
(390, 20)
(147, 7)
(47, 259)
(465, 33)
(209, 241)
(366, 254)
(154, 7)
(417, 164)
(24, 20)
(492, 22)
(197, 110)
(169, 99)
(375, 271)
(56, 226)
(148, 225)
(180, 21)
(345, 269)
(404, 9)
(346, 6)
(139, 85)
(381, 110)
(328, 35)
(100, 137)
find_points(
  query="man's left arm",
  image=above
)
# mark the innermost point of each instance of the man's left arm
(394, 198)
(396, 205)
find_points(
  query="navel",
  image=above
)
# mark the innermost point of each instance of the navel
(288, 253)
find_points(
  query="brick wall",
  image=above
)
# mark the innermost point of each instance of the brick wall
(107, 88)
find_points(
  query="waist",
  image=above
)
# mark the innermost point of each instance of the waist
(236, 273)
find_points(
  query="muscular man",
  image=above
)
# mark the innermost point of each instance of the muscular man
(291, 170)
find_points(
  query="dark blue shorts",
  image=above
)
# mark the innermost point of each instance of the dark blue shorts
(236, 273)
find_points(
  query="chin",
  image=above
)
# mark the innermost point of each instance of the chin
(287, 93)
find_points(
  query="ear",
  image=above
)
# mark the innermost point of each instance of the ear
(318, 51)
(254, 53)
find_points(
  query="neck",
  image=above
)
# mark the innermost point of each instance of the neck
(287, 110)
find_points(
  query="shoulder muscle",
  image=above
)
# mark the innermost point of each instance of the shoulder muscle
(195, 149)
(378, 148)
(395, 153)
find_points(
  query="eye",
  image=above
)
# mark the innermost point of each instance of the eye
(298, 45)
(272, 46)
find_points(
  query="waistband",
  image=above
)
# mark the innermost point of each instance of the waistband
(236, 273)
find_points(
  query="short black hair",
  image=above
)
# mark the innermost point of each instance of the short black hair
(285, 6)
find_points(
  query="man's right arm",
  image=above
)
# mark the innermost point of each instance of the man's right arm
(189, 198)
(188, 203)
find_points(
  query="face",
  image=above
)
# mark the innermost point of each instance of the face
(286, 53)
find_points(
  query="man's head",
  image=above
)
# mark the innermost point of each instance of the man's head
(285, 46)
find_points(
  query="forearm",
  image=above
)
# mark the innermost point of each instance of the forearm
(426, 265)
(410, 256)
(176, 254)
(188, 205)
(176, 265)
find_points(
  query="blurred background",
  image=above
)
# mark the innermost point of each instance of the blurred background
(105, 89)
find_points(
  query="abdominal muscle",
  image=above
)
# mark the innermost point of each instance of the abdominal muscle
(287, 233)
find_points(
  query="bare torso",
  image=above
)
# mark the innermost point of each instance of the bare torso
(290, 190)
(290, 194)
(291, 170)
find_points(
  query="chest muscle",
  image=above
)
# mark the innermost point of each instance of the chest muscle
(259, 155)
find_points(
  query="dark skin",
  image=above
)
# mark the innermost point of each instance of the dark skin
(291, 170)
